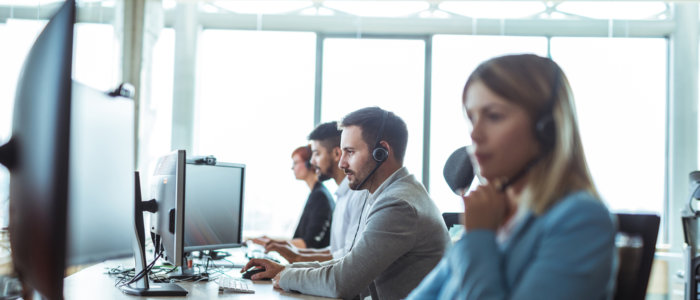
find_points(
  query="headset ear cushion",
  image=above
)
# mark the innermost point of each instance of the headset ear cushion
(545, 131)
(380, 154)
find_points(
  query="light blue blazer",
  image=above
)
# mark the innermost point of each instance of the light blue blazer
(566, 253)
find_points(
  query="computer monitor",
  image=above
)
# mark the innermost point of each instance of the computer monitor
(167, 207)
(59, 165)
(168, 189)
(214, 206)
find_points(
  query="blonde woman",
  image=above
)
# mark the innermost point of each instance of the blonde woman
(537, 229)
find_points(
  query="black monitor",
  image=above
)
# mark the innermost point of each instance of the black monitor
(214, 206)
(70, 158)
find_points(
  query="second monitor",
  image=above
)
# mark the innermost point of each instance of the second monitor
(214, 206)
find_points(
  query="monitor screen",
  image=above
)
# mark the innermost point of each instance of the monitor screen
(168, 189)
(214, 206)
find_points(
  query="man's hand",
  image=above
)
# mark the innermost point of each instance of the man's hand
(276, 282)
(289, 252)
(271, 268)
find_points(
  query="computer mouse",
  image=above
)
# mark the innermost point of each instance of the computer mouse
(252, 271)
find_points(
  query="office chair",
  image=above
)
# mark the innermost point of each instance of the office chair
(635, 262)
(451, 218)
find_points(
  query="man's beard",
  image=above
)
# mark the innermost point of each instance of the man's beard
(355, 185)
(322, 176)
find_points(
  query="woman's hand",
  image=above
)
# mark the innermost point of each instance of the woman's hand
(485, 208)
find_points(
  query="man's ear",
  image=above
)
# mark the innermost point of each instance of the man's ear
(336, 152)
(386, 146)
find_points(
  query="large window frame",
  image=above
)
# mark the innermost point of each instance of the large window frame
(674, 27)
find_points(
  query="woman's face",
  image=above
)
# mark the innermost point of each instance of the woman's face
(299, 167)
(501, 133)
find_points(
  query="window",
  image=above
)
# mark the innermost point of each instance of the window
(255, 106)
(96, 63)
(454, 58)
(96, 56)
(377, 72)
(18, 37)
(620, 90)
(157, 108)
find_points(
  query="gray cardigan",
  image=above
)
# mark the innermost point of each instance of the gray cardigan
(400, 239)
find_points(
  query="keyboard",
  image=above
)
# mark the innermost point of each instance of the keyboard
(234, 285)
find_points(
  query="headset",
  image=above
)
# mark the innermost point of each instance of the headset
(379, 153)
(307, 162)
(545, 129)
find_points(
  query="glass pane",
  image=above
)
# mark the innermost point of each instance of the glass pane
(629, 10)
(374, 72)
(255, 106)
(157, 108)
(18, 36)
(262, 7)
(620, 90)
(494, 9)
(96, 56)
(454, 58)
(378, 8)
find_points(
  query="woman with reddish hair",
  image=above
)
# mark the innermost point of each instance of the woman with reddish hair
(313, 230)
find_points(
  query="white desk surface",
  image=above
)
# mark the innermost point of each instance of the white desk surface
(93, 283)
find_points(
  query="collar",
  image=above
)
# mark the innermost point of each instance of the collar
(523, 220)
(343, 188)
(398, 174)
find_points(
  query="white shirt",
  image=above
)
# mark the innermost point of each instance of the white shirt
(346, 216)
(505, 232)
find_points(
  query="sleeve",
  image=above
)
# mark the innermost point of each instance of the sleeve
(316, 233)
(431, 286)
(384, 240)
(573, 260)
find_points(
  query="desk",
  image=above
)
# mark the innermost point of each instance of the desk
(92, 283)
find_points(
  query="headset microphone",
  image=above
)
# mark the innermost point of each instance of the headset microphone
(379, 153)
(508, 182)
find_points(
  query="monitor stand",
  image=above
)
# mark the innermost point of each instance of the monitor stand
(142, 287)
(184, 271)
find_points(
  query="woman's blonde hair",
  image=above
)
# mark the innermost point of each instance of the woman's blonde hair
(531, 82)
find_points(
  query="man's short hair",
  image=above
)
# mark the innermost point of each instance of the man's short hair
(327, 134)
(369, 119)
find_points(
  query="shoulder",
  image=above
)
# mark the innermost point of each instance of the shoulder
(405, 194)
(407, 189)
(579, 208)
(320, 193)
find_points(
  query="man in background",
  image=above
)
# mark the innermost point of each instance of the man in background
(326, 153)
